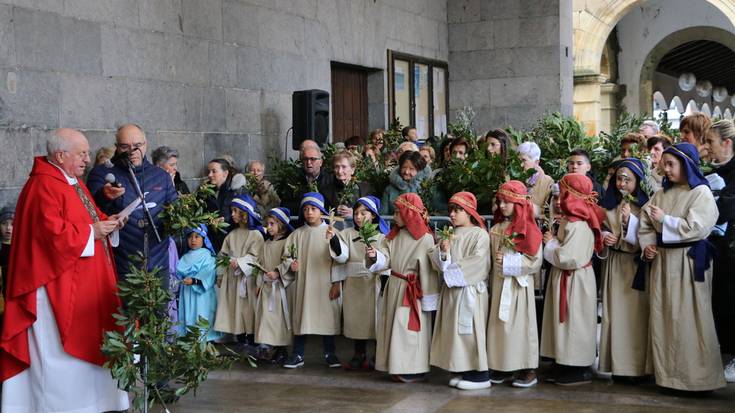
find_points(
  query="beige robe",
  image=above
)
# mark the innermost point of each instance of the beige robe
(360, 289)
(624, 341)
(573, 342)
(236, 303)
(685, 351)
(273, 315)
(313, 312)
(400, 350)
(540, 193)
(459, 340)
(512, 330)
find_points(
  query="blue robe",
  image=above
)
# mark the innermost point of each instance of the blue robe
(197, 300)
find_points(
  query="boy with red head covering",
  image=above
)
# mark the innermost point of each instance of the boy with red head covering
(459, 338)
(411, 293)
(569, 331)
(515, 241)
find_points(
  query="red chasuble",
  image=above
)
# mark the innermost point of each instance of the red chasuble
(51, 229)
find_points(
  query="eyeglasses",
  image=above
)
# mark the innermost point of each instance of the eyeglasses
(312, 159)
(125, 147)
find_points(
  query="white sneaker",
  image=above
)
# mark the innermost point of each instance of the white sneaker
(454, 381)
(473, 385)
(730, 371)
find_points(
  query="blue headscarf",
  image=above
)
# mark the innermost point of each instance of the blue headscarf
(373, 205)
(689, 156)
(284, 215)
(612, 195)
(247, 204)
(202, 231)
(314, 199)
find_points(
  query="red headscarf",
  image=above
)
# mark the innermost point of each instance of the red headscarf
(468, 202)
(579, 203)
(414, 215)
(528, 240)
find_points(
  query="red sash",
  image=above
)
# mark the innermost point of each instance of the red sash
(410, 296)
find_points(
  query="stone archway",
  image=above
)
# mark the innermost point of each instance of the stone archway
(594, 20)
(669, 42)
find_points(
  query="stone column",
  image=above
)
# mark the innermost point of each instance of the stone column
(587, 101)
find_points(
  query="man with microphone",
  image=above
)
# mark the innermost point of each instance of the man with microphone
(113, 189)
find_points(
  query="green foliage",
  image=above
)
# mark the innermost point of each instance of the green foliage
(285, 175)
(392, 138)
(665, 127)
(374, 173)
(427, 189)
(482, 174)
(558, 135)
(349, 193)
(368, 233)
(328, 156)
(190, 210)
(625, 124)
(181, 362)
(446, 233)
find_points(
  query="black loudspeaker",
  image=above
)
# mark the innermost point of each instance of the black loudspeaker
(310, 116)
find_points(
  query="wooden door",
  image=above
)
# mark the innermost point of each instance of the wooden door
(349, 103)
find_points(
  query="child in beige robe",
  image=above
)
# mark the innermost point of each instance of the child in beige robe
(316, 306)
(272, 315)
(673, 230)
(410, 295)
(515, 240)
(569, 331)
(458, 344)
(360, 287)
(236, 298)
(624, 340)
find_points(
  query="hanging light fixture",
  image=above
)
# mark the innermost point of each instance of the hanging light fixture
(704, 88)
(687, 81)
(719, 94)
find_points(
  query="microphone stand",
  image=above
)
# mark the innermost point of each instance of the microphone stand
(143, 224)
(147, 212)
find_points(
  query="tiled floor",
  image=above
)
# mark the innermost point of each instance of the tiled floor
(316, 388)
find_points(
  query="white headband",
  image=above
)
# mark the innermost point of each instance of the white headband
(281, 214)
(369, 202)
(247, 206)
(312, 199)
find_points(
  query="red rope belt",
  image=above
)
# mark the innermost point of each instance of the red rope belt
(563, 305)
(411, 295)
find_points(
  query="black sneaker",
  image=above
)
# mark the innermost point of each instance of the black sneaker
(294, 361)
(280, 356)
(574, 376)
(332, 360)
(498, 377)
(358, 362)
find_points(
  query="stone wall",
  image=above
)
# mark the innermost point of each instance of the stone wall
(511, 60)
(203, 76)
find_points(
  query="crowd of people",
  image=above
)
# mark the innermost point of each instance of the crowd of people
(652, 242)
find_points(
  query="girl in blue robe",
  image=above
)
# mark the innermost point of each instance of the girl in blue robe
(196, 270)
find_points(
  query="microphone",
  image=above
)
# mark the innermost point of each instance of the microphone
(110, 179)
(120, 158)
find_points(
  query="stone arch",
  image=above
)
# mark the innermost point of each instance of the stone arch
(669, 42)
(677, 104)
(660, 99)
(594, 20)
(717, 113)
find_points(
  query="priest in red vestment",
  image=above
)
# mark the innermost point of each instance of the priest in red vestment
(61, 291)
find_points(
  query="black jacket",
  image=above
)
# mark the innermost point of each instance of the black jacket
(325, 181)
